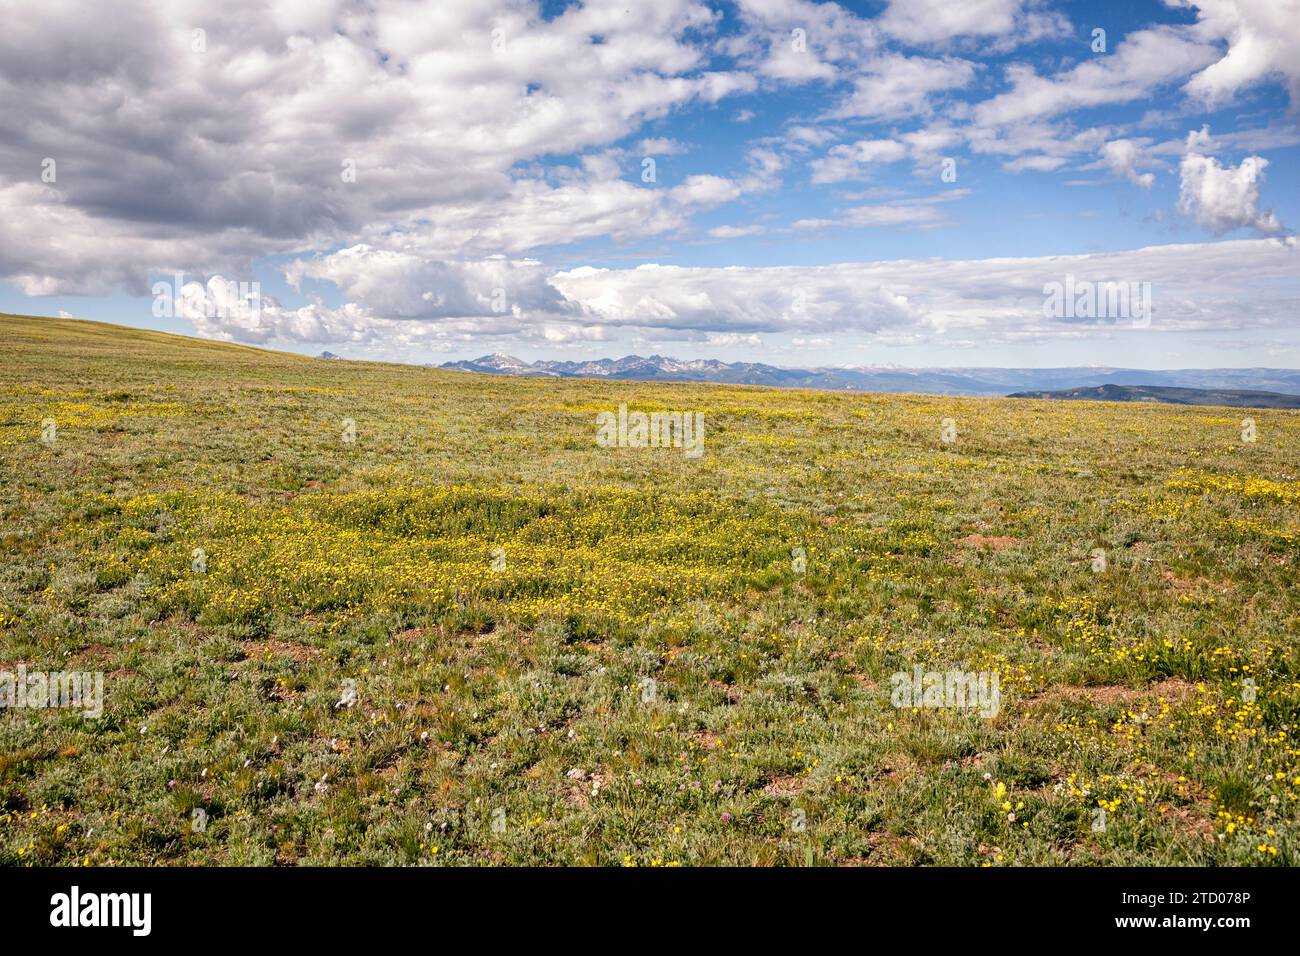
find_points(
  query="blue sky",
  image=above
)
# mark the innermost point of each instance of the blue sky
(798, 213)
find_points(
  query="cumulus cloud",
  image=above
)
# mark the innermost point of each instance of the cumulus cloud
(400, 300)
(393, 298)
(895, 86)
(1122, 156)
(1142, 62)
(1025, 122)
(1263, 42)
(800, 41)
(1234, 45)
(851, 161)
(312, 126)
(937, 301)
(733, 300)
(1222, 198)
(413, 167)
(937, 21)
(401, 285)
(49, 246)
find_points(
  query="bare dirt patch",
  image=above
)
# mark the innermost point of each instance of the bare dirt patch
(1171, 688)
(787, 786)
(300, 653)
(1194, 585)
(863, 681)
(884, 849)
(1190, 821)
(992, 542)
(94, 652)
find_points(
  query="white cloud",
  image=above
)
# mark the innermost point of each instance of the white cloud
(395, 299)
(931, 140)
(1038, 144)
(1123, 156)
(799, 41)
(849, 161)
(802, 137)
(205, 159)
(51, 247)
(732, 300)
(1263, 38)
(1142, 62)
(1038, 164)
(400, 285)
(765, 166)
(901, 214)
(736, 232)
(938, 21)
(1195, 287)
(470, 160)
(660, 146)
(401, 300)
(733, 339)
(895, 86)
(1222, 198)
(704, 190)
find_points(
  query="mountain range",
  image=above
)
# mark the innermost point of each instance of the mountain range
(1225, 397)
(933, 381)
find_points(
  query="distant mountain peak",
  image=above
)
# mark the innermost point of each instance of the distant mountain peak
(880, 378)
(499, 360)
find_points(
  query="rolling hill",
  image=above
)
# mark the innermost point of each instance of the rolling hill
(365, 613)
(1231, 398)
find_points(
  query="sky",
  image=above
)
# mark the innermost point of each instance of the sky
(900, 182)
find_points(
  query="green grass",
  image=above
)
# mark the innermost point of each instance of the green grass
(613, 655)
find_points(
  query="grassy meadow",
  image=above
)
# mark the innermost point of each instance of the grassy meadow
(355, 613)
